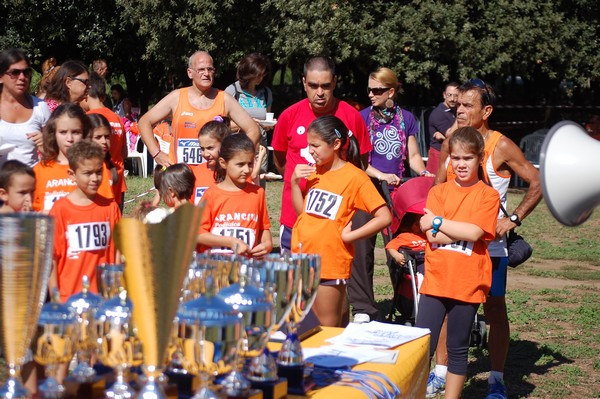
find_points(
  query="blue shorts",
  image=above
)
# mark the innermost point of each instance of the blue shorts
(499, 268)
(285, 238)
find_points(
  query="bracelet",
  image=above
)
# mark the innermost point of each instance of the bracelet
(423, 173)
(155, 155)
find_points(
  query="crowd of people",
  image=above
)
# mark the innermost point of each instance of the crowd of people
(64, 155)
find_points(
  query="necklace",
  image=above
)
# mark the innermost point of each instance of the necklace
(486, 135)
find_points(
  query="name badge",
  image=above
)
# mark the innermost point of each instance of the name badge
(188, 151)
(198, 194)
(464, 247)
(88, 236)
(245, 234)
(323, 203)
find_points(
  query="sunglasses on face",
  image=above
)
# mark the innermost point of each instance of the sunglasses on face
(477, 82)
(15, 73)
(86, 82)
(377, 90)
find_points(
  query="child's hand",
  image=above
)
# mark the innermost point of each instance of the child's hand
(346, 233)
(239, 247)
(399, 258)
(426, 220)
(302, 172)
(260, 250)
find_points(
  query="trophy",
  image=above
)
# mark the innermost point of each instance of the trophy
(85, 305)
(26, 241)
(209, 333)
(277, 276)
(110, 279)
(256, 309)
(56, 343)
(290, 360)
(157, 257)
(119, 347)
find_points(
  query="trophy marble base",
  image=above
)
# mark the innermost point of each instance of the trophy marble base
(252, 394)
(272, 389)
(297, 383)
(94, 389)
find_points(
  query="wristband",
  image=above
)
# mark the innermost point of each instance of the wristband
(423, 173)
(155, 155)
(436, 223)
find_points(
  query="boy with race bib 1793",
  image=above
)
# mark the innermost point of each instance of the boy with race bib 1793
(84, 222)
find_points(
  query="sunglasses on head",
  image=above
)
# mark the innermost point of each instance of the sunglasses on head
(477, 82)
(377, 90)
(15, 73)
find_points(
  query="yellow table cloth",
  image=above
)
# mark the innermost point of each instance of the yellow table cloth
(409, 373)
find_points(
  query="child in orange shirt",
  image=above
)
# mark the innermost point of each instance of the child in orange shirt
(67, 126)
(84, 222)
(236, 215)
(336, 188)
(459, 221)
(210, 138)
(17, 184)
(101, 134)
(412, 238)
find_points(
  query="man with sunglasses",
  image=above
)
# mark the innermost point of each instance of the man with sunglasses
(440, 120)
(476, 101)
(289, 138)
(191, 107)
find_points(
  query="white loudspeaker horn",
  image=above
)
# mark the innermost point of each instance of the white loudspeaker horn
(570, 173)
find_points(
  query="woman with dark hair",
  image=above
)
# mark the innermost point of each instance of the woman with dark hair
(22, 116)
(122, 105)
(70, 84)
(250, 90)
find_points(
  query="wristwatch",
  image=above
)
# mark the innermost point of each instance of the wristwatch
(515, 219)
(436, 223)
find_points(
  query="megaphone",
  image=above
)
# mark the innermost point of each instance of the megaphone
(569, 171)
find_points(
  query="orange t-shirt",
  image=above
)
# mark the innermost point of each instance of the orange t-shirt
(118, 140)
(205, 178)
(332, 199)
(52, 182)
(241, 214)
(415, 242)
(82, 240)
(461, 270)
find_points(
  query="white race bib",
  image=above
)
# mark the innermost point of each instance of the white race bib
(464, 247)
(198, 194)
(323, 203)
(88, 236)
(245, 234)
(188, 151)
(51, 197)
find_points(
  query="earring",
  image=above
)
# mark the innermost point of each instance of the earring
(389, 103)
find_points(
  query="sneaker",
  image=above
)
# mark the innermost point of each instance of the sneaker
(435, 386)
(497, 390)
(362, 318)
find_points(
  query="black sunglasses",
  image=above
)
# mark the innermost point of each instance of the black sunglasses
(15, 73)
(377, 90)
(86, 82)
(477, 82)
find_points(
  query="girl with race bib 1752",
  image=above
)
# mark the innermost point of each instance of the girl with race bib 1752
(336, 188)
(235, 218)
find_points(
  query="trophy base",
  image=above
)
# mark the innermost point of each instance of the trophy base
(297, 383)
(92, 389)
(186, 383)
(251, 394)
(272, 389)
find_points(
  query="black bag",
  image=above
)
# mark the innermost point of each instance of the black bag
(519, 250)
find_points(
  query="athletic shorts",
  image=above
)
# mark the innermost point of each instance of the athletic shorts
(499, 269)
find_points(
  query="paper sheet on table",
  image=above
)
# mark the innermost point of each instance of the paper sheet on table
(338, 356)
(382, 335)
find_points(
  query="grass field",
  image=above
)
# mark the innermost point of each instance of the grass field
(553, 302)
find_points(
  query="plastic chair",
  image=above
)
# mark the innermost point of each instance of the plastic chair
(138, 158)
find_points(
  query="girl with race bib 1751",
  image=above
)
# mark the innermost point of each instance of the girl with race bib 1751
(459, 221)
(336, 187)
(235, 218)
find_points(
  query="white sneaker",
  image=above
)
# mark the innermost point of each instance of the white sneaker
(362, 318)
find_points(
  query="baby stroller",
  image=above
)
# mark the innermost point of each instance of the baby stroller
(411, 197)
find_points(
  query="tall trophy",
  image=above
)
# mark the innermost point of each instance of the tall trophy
(85, 304)
(59, 332)
(290, 361)
(26, 241)
(157, 257)
(277, 276)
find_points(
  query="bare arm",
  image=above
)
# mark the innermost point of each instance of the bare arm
(440, 176)
(160, 111)
(241, 118)
(415, 160)
(218, 241)
(382, 218)
(279, 158)
(265, 246)
(450, 230)
(511, 155)
(301, 172)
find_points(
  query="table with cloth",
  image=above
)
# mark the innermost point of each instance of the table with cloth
(409, 373)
